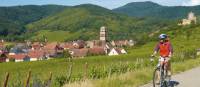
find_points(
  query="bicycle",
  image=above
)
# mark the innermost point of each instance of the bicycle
(163, 75)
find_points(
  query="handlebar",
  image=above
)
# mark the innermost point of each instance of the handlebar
(152, 58)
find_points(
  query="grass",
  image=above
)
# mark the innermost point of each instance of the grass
(58, 67)
(135, 78)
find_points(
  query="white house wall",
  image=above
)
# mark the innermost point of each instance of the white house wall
(7, 60)
(19, 60)
(113, 52)
(11, 54)
(33, 59)
(123, 51)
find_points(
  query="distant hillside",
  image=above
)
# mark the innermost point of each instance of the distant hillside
(151, 9)
(84, 21)
(13, 19)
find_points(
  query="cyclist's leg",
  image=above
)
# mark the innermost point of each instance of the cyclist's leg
(168, 66)
(161, 62)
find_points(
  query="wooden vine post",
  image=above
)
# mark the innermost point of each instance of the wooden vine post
(6, 80)
(86, 70)
(27, 82)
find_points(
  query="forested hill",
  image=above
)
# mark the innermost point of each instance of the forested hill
(13, 19)
(84, 21)
(151, 9)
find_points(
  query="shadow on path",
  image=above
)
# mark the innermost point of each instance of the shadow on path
(173, 83)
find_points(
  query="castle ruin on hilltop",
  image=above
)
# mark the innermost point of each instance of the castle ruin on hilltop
(191, 19)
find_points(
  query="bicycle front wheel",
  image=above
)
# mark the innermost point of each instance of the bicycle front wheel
(156, 79)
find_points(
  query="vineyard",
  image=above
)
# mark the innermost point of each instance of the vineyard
(56, 73)
(64, 71)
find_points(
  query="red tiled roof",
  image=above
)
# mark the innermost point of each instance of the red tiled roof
(67, 45)
(118, 50)
(97, 50)
(51, 46)
(36, 53)
(121, 42)
(79, 44)
(18, 56)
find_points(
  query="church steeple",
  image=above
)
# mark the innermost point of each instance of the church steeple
(103, 33)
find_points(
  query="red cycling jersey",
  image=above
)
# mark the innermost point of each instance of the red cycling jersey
(164, 48)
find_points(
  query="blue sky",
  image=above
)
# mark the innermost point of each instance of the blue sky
(105, 3)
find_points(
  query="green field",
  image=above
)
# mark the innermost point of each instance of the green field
(58, 67)
(51, 36)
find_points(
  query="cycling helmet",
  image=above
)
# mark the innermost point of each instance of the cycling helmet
(162, 36)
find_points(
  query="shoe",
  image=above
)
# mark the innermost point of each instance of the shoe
(157, 83)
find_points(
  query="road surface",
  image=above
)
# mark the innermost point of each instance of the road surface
(189, 78)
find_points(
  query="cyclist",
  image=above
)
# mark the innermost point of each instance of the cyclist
(165, 50)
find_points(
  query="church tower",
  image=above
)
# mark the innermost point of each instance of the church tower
(103, 33)
(191, 16)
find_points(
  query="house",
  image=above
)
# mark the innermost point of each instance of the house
(78, 53)
(19, 57)
(97, 51)
(108, 46)
(90, 44)
(68, 45)
(79, 44)
(120, 43)
(117, 51)
(3, 57)
(52, 49)
(19, 48)
(36, 46)
(94, 43)
(36, 55)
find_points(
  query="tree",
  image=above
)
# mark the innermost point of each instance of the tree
(67, 55)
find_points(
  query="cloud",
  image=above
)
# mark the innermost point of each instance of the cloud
(191, 3)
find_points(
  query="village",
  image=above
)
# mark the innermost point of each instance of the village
(35, 51)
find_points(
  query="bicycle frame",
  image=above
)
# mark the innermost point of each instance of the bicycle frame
(162, 73)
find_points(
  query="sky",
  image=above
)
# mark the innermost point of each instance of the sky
(104, 3)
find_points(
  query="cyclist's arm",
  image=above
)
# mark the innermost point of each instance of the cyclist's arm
(171, 50)
(156, 49)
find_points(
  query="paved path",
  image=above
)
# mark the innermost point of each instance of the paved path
(189, 78)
